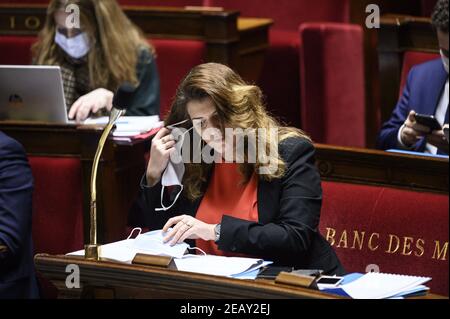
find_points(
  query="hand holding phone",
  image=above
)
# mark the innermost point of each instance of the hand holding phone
(429, 121)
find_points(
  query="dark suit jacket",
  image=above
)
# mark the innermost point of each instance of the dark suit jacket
(422, 94)
(289, 210)
(17, 277)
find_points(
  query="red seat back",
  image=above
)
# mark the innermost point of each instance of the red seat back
(16, 49)
(428, 7)
(399, 231)
(288, 14)
(57, 204)
(164, 3)
(332, 83)
(410, 59)
(175, 58)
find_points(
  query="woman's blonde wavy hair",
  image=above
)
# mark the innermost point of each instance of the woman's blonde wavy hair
(115, 42)
(238, 105)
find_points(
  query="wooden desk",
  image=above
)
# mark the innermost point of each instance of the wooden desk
(373, 167)
(121, 167)
(238, 42)
(397, 35)
(105, 279)
(118, 280)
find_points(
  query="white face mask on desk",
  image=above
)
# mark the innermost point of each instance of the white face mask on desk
(152, 243)
(76, 47)
(444, 61)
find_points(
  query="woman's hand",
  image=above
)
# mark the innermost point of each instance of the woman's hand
(187, 227)
(91, 103)
(162, 146)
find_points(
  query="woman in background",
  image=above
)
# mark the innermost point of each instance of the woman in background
(105, 50)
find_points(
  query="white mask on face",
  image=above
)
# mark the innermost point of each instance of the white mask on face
(174, 172)
(76, 47)
(444, 61)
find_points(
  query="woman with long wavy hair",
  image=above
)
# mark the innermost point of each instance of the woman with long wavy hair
(260, 195)
(105, 50)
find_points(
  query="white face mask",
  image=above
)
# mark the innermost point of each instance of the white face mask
(444, 61)
(174, 172)
(152, 243)
(76, 47)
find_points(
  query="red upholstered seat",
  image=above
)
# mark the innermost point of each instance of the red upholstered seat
(280, 79)
(332, 83)
(16, 49)
(410, 59)
(57, 205)
(288, 14)
(175, 58)
(399, 231)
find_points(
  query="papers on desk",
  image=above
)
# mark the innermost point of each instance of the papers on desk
(236, 267)
(380, 286)
(417, 153)
(128, 126)
(151, 243)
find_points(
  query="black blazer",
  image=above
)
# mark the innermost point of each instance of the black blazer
(17, 277)
(288, 208)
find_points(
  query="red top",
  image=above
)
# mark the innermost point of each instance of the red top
(227, 196)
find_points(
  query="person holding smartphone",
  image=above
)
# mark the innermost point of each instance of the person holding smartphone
(421, 115)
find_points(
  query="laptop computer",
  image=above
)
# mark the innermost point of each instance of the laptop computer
(32, 93)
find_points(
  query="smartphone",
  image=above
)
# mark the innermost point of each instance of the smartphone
(328, 281)
(428, 121)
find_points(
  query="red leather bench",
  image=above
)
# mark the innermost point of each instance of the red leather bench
(398, 231)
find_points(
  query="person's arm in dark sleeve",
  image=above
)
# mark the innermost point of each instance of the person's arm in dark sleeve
(143, 211)
(388, 137)
(147, 96)
(291, 233)
(16, 188)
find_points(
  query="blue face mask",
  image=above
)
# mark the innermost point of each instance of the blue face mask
(76, 47)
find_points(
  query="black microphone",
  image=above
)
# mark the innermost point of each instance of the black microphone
(124, 95)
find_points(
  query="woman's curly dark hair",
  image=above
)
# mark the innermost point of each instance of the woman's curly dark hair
(440, 15)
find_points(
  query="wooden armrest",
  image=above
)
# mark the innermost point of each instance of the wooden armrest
(3, 249)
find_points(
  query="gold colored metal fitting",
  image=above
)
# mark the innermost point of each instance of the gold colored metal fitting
(92, 252)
